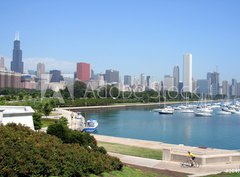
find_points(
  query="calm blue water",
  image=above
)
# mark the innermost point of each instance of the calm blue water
(219, 131)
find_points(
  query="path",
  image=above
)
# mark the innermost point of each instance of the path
(169, 165)
(173, 166)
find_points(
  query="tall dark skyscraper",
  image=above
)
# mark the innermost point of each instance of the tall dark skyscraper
(56, 76)
(148, 81)
(17, 64)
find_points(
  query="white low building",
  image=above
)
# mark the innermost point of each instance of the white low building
(17, 114)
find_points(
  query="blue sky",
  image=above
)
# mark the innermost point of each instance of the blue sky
(132, 36)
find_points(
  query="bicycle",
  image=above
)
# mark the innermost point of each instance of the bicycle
(188, 164)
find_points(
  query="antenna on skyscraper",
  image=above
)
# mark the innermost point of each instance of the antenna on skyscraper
(217, 68)
(17, 36)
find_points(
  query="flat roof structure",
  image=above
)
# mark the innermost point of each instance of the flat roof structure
(17, 114)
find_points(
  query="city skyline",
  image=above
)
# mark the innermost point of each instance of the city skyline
(176, 75)
(90, 34)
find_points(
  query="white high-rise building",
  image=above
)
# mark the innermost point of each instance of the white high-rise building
(187, 72)
(2, 65)
(40, 69)
(142, 79)
(168, 84)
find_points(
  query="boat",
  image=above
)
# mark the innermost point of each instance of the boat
(188, 110)
(177, 108)
(222, 112)
(203, 114)
(91, 126)
(166, 111)
(229, 109)
(205, 109)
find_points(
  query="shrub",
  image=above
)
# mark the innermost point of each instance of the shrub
(72, 136)
(28, 153)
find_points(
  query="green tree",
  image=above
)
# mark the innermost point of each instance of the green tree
(79, 89)
(37, 121)
(47, 109)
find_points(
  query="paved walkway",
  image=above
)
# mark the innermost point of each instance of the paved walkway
(173, 166)
(169, 165)
(159, 145)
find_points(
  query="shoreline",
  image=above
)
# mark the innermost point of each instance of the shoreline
(131, 105)
(151, 144)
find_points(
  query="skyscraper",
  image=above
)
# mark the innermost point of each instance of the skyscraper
(2, 65)
(203, 87)
(213, 79)
(40, 69)
(56, 76)
(142, 79)
(83, 71)
(187, 73)
(234, 88)
(112, 76)
(148, 81)
(127, 80)
(225, 88)
(176, 77)
(168, 84)
(16, 63)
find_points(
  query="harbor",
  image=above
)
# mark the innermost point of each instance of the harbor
(178, 128)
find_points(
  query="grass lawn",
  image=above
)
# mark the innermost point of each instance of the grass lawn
(225, 175)
(47, 122)
(132, 150)
(54, 114)
(129, 172)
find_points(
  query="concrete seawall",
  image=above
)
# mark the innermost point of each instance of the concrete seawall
(178, 153)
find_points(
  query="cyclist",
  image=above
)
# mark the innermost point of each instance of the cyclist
(191, 157)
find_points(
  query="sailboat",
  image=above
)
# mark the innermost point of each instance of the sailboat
(203, 110)
(187, 108)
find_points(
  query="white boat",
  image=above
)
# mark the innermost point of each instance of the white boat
(177, 108)
(205, 109)
(183, 107)
(222, 112)
(166, 111)
(231, 110)
(203, 114)
(91, 126)
(187, 110)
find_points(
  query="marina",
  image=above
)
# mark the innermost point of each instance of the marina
(216, 129)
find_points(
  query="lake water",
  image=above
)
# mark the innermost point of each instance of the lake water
(219, 131)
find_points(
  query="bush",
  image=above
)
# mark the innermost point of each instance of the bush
(67, 135)
(28, 153)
